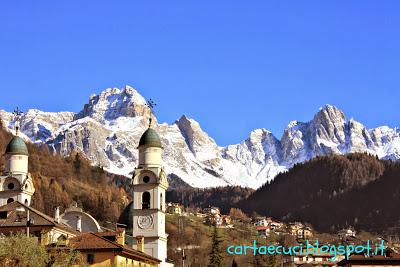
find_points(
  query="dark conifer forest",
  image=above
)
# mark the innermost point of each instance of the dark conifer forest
(222, 197)
(333, 192)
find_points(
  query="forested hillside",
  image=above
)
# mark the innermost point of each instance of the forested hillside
(59, 181)
(223, 197)
(334, 191)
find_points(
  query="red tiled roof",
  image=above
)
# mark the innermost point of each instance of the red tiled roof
(96, 241)
(40, 219)
(87, 241)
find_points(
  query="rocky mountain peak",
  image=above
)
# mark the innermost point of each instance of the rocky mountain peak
(196, 139)
(329, 115)
(113, 103)
(328, 125)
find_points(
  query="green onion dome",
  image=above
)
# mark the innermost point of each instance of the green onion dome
(150, 138)
(17, 146)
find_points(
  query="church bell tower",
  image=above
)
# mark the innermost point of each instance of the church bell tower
(17, 183)
(149, 186)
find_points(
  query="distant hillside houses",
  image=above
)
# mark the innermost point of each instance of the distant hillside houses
(266, 225)
(347, 233)
(212, 215)
(174, 208)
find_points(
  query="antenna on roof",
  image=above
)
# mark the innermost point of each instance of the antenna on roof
(17, 117)
(151, 104)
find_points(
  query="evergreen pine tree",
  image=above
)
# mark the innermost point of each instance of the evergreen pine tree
(267, 260)
(271, 260)
(77, 163)
(216, 259)
(259, 261)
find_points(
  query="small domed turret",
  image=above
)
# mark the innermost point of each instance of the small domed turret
(16, 156)
(17, 146)
(150, 148)
(150, 138)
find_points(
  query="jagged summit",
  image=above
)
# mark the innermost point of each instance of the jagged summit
(329, 113)
(108, 128)
(113, 103)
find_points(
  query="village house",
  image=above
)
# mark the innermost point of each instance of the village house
(299, 230)
(347, 232)
(174, 208)
(263, 231)
(18, 217)
(294, 227)
(262, 221)
(213, 219)
(276, 225)
(108, 249)
(211, 210)
(219, 220)
(226, 220)
(266, 225)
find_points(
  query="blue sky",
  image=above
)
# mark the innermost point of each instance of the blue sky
(232, 65)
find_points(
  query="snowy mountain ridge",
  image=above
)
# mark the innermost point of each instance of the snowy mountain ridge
(108, 128)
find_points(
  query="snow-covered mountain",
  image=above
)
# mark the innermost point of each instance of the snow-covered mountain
(108, 128)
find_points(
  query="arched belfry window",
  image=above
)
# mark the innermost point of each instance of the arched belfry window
(161, 201)
(146, 201)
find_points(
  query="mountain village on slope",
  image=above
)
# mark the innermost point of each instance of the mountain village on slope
(140, 238)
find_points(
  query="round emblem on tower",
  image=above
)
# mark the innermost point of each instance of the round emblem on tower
(145, 222)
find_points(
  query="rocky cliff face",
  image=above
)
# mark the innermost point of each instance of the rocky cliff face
(108, 129)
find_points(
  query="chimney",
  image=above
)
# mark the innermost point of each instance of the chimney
(140, 243)
(57, 215)
(79, 223)
(121, 236)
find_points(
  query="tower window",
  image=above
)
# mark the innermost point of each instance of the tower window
(146, 201)
(10, 186)
(26, 202)
(161, 202)
(10, 200)
(146, 179)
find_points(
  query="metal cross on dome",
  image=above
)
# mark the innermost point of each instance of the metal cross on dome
(151, 104)
(17, 116)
